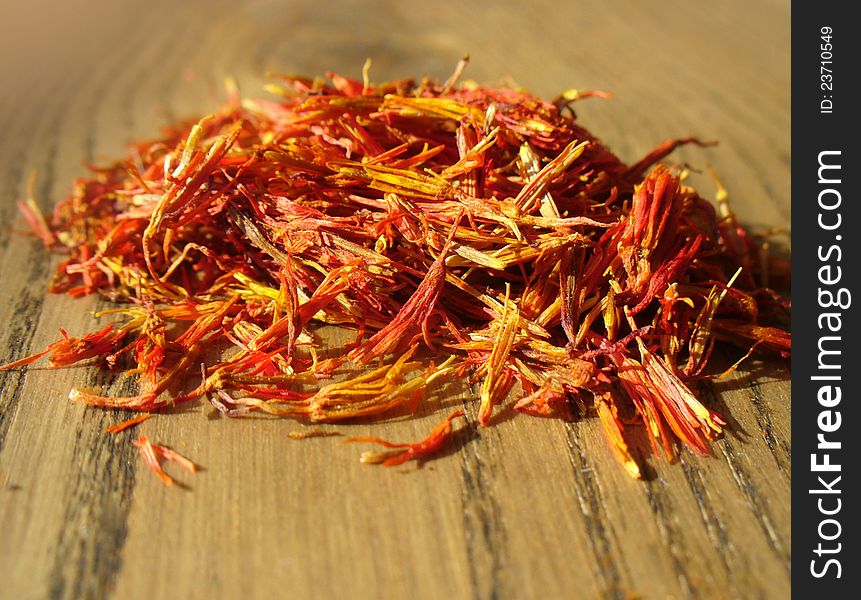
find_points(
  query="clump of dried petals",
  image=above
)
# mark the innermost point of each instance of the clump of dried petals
(430, 219)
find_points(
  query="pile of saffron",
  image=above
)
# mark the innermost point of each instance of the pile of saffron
(455, 230)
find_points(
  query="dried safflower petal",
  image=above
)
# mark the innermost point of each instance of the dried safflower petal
(155, 454)
(404, 452)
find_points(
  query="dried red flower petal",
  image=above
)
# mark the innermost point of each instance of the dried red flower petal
(155, 454)
(404, 452)
(137, 420)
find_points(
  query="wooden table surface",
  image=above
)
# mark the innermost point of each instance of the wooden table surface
(530, 508)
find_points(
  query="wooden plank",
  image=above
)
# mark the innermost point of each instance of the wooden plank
(527, 508)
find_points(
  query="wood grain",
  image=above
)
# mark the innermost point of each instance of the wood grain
(528, 508)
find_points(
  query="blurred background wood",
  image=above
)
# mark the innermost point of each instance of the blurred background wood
(529, 508)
